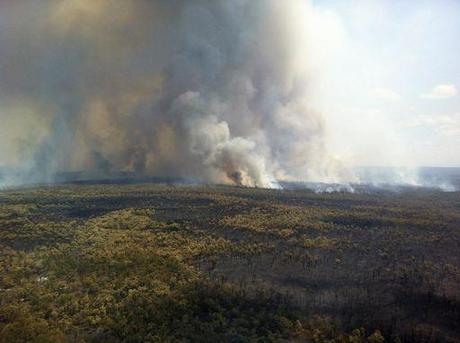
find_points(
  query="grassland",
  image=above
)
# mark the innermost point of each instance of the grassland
(165, 263)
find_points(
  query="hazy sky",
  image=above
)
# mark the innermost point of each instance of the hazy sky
(269, 88)
(391, 88)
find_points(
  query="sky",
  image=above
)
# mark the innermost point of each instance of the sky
(391, 87)
(233, 91)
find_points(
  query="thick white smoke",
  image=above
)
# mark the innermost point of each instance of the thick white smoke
(214, 90)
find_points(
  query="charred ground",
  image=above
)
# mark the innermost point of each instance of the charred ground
(159, 263)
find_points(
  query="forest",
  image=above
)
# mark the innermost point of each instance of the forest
(199, 263)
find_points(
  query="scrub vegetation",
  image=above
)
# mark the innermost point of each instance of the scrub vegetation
(181, 263)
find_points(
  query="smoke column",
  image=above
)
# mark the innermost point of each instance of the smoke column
(213, 90)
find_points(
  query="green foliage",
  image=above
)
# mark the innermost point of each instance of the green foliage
(158, 263)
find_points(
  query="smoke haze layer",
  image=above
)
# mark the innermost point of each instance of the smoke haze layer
(212, 90)
(217, 91)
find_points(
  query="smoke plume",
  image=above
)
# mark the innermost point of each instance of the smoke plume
(213, 90)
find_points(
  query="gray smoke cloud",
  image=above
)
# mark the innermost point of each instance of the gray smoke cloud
(214, 90)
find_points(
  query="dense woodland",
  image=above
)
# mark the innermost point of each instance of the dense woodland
(178, 263)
